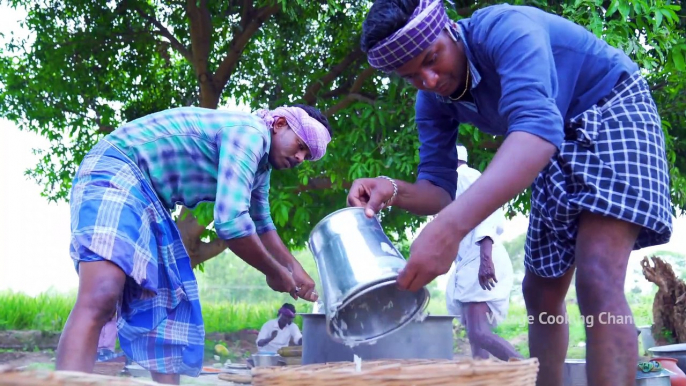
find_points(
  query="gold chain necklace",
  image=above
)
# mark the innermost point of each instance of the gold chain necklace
(466, 85)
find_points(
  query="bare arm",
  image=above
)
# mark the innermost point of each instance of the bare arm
(251, 250)
(273, 243)
(421, 198)
(265, 341)
(515, 166)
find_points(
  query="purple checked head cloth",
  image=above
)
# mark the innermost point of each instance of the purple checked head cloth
(425, 24)
(310, 130)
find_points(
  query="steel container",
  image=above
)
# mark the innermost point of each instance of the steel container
(267, 360)
(653, 379)
(358, 266)
(431, 338)
(575, 372)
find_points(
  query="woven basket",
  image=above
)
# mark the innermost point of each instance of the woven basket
(108, 368)
(403, 373)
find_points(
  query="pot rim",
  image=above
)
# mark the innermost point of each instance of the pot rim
(679, 348)
(670, 359)
(365, 288)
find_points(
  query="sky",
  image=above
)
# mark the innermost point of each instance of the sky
(34, 234)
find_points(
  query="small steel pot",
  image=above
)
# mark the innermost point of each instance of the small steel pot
(358, 267)
(267, 360)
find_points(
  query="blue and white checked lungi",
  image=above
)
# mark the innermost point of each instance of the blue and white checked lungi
(613, 163)
(116, 216)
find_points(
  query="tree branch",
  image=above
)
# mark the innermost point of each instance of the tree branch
(252, 21)
(354, 93)
(201, 40)
(311, 93)
(180, 48)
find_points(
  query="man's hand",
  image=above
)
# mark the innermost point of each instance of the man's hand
(274, 334)
(305, 283)
(487, 277)
(371, 193)
(421, 198)
(281, 280)
(431, 255)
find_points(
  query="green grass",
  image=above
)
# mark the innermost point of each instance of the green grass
(45, 312)
(49, 313)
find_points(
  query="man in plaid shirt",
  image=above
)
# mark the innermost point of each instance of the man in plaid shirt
(125, 244)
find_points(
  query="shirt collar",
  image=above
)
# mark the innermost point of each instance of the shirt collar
(456, 31)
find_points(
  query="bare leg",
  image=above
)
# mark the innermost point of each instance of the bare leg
(101, 283)
(481, 336)
(478, 352)
(547, 341)
(168, 379)
(602, 254)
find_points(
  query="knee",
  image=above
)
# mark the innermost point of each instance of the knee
(100, 302)
(595, 289)
(542, 296)
(478, 335)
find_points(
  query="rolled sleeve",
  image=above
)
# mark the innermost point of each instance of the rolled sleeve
(437, 130)
(519, 48)
(240, 151)
(259, 204)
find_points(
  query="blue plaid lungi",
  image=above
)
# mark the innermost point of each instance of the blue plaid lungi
(612, 163)
(116, 216)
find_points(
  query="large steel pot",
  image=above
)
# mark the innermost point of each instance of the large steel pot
(431, 338)
(358, 266)
(575, 372)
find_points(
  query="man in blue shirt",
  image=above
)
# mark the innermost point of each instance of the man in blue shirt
(581, 129)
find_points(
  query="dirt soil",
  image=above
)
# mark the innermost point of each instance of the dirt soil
(240, 344)
(23, 358)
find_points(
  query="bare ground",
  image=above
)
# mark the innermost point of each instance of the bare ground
(23, 358)
(240, 344)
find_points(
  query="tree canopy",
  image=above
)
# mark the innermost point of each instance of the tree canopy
(88, 66)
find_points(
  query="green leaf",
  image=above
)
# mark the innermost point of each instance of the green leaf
(624, 9)
(678, 58)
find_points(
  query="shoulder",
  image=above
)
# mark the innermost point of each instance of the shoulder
(269, 323)
(498, 23)
(237, 119)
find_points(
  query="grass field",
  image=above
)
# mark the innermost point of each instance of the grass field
(49, 312)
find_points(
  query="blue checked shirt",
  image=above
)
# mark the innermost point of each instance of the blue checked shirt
(190, 155)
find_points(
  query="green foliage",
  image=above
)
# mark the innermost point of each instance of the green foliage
(45, 312)
(49, 312)
(89, 66)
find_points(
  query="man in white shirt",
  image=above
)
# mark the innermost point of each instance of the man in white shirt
(279, 332)
(480, 281)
